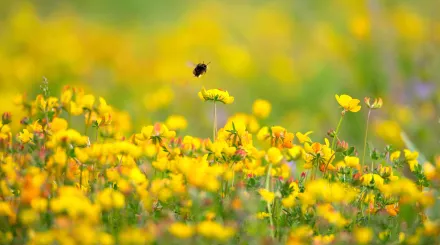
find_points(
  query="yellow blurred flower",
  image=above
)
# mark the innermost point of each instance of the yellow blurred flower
(360, 26)
(214, 230)
(262, 215)
(327, 239)
(25, 136)
(267, 196)
(363, 235)
(390, 132)
(160, 98)
(216, 95)
(274, 155)
(176, 122)
(348, 103)
(58, 124)
(109, 198)
(411, 158)
(181, 230)
(261, 108)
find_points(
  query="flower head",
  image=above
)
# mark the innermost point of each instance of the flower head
(25, 136)
(176, 122)
(261, 108)
(216, 95)
(348, 103)
(377, 103)
(181, 230)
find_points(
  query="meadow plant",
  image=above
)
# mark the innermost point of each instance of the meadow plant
(61, 186)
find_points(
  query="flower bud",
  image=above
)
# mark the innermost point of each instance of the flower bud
(25, 121)
(375, 105)
(240, 153)
(6, 117)
(341, 146)
(331, 133)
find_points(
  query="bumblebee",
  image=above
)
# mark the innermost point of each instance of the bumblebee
(200, 69)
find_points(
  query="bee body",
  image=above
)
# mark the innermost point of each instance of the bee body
(200, 69)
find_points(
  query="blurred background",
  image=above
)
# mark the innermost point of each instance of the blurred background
(296, 54)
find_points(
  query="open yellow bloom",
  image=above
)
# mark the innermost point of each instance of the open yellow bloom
(303, 137)
(268, 196)
(348, 103)
(372, 180)
(25, 136)
(352, 162)
(274, 155)
(411, 158)
(216, 95)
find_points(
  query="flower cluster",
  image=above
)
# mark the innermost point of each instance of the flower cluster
(102, 186)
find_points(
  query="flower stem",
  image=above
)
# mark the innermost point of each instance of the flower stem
(365, 141)
(337, 131)
(269, 208)
(215, 123)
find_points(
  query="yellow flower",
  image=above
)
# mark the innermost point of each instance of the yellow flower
(289, 201)
(176, 122)
(303, 137)
(352, 162)
(58, 124)
(262, 215)
(109, 198)
(363, 235)
(87, 101)
(372, 180)
(395, 156)
(216, 95)
(429, 170)
(411, 158)
(211, 229)
(106, 239)
(181, 230)
(327, 239)
(25, 136)
(268, 196)
(39, 204)
(348, 103)
(274, 155)
(261, 108)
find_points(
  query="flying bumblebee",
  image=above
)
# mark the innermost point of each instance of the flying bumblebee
(200, 69)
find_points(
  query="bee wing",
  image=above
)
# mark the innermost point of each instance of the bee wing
(190, 64)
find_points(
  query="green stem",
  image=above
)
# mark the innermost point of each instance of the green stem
(215, 123)
(269, 208)
(365, 140)
(336, 132)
